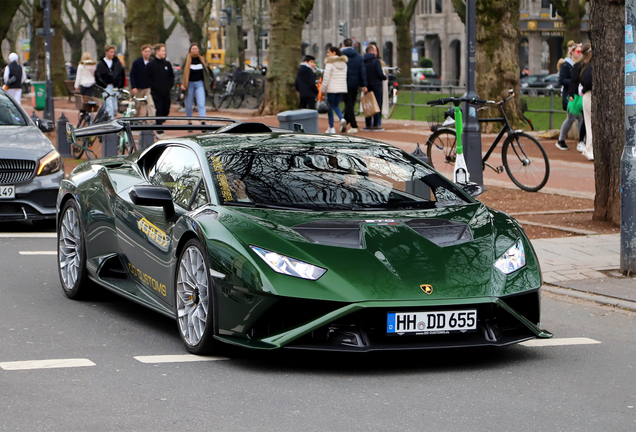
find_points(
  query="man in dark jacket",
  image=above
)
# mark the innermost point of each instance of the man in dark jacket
(356, 78)
(138, 79)
(160, 79)
(306, 83)
(109, 74)
(375, 76)
(565, 76)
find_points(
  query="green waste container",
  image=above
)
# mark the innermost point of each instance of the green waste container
(38, 94)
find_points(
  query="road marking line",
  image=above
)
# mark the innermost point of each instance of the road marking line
(559, 342)
(38, 252)
(46, 364)
(177, 358)
(28, 235)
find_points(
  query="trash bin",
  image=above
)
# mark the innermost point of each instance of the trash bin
(306, 117)
(38, 95)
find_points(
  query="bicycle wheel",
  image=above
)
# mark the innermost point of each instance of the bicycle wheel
(88, 143)
(441, 149)
(237, 97)
(253, 95)
(525, 162)
(77, 151)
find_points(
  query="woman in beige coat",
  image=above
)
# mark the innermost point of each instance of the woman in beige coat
(334, 84)
(85, 76)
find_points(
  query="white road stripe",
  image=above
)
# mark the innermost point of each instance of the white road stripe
(38, 252)
(177, 358)
(559, 342)
(28, 235)
(46, 364)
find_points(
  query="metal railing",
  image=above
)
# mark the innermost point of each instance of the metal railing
(414, 88)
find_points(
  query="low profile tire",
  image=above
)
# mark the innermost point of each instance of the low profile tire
(71, 252)
(194, 299)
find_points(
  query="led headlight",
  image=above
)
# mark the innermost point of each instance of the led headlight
(50, 163)
(289, 266)
(513, 259)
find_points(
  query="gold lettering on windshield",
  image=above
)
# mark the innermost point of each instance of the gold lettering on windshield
(226, 192)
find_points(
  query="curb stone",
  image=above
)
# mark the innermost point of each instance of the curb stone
(596, 298)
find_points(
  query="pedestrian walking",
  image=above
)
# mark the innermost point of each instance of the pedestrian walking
(356, 79)
(85, 76)
(109, 74)
(305, 83)
(334, 85)
(375, 76)
(581, 83)
(14, 75)
(196, 80)
(565, 76)
(160, 80)
(138, 80)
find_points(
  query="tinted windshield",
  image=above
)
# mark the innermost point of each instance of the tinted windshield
(325, 178)
(9, 113)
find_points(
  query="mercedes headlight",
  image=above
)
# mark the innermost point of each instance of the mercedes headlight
(51, 163)
(289, 266)
(513, 259)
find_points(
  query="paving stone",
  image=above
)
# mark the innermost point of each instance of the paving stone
(593, 274)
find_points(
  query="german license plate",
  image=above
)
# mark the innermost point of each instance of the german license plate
(431, 323)
(7, 192)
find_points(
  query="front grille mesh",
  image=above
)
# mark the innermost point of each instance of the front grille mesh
(16, 170)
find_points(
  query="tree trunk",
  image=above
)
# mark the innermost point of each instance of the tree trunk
(497, 52)
(142, 27)
(402, 19)
(9, 9)
(607, 21)
(58, 64)
(285, 53)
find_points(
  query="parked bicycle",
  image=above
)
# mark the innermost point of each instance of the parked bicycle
(523, 158)
(87, 105)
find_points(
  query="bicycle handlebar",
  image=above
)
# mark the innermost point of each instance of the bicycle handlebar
(444, 101)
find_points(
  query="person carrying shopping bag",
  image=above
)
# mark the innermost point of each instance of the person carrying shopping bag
(334, 84)
(565, 76)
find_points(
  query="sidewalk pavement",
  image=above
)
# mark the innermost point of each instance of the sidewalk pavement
(572, 266)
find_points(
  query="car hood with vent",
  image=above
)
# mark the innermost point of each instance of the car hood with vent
(23, 142)
(387, 255)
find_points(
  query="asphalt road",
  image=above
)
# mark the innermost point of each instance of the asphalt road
(108, 386)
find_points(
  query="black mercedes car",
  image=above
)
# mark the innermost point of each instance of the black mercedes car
(30, 168)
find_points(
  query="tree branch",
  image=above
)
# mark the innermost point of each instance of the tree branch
(460, 7)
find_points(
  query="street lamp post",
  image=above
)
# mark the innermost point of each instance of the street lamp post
(49, 108)
(472, 133)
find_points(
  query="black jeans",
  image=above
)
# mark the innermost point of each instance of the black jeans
(162, 103)
(376, 118)
(308, 102)
(350, 102)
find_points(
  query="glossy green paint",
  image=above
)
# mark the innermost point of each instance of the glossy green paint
(387, 271)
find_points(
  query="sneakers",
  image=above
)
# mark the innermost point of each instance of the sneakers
(330, 130)
(561, 145)
(353, 130)
(580, 146)
(343, 125)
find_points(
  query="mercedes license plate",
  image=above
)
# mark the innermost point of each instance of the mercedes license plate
(430, 323)
(7, 192)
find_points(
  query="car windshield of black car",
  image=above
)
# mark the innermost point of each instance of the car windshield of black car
(10, 115)
(328, 178)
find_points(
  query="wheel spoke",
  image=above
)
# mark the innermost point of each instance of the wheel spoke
(192, 295)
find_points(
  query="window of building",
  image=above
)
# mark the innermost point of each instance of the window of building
(265, 40)
(438, 6)
(245, 40)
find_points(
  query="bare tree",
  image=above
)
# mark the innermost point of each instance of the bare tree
(402, 19)
(9, 9)
(607, 29)
(194, 23)
(142, 26)
(37, 54)
(255, 13)
(285, 53)
(571, 12)
(497, 52)
(96, 25)
(74, 32)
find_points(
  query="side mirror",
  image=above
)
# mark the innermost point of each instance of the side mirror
(70, 134)
(153, 196)
(46, 125)
(472, 189)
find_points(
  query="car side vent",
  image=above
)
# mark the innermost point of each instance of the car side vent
(245, 127)
(332, 233)
(441, 232)
(112, 268)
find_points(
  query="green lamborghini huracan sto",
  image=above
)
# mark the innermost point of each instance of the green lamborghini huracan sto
(263, 238)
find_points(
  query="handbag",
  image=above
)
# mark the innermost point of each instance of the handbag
(575, 106)
(323, 107)
(369, 104)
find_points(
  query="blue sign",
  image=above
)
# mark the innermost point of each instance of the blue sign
(630, 95)
(629, 34)
(630, 63)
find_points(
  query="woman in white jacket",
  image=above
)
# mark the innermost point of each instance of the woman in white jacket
(334, 84)
(85, 78)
